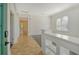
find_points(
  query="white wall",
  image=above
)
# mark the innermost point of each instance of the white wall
(16, 23)
(73, 25)
(38, 22)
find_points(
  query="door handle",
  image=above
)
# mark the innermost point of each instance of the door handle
(6, 43)
(6, 34)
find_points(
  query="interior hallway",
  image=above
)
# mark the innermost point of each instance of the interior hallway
(46, 26)
(25, 44)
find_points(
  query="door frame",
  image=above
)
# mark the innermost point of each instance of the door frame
(8, 28)
(11, 28)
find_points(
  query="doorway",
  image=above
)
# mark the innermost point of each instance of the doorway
(23, 26)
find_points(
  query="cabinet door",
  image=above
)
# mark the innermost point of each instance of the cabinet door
(3, 28)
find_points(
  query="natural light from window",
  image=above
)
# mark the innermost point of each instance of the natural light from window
(62, 24)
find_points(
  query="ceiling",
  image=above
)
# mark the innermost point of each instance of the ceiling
(41, 8)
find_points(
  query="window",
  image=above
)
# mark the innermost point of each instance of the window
(65, 23)
(62, 24)
(59, 25)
